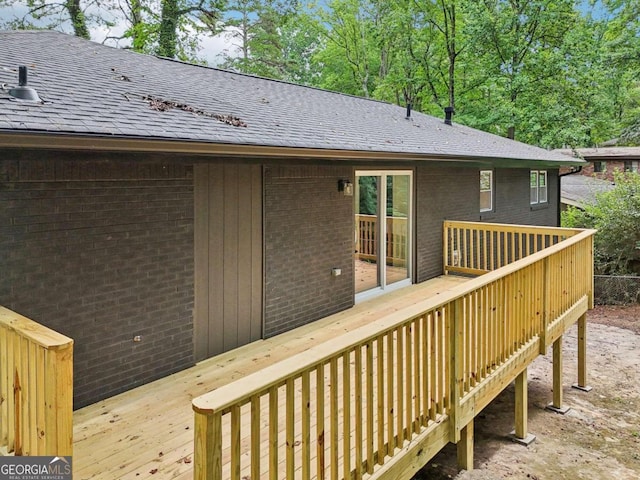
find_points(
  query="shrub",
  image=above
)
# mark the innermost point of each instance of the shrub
(616, 216)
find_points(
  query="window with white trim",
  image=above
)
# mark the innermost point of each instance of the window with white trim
(539, 193)
(631, 166)
(486, 190)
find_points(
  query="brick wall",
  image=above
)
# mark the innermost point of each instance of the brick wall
(513, 195)
(454, 194)
(609, 166)
(442, 193)
(308, 230)
(101, 250)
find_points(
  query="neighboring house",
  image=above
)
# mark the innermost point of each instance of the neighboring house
(580, 190)
(602, 162)
(160, 213)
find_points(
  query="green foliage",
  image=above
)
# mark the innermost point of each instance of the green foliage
(616, 216)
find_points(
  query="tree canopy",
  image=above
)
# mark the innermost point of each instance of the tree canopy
(554, 73)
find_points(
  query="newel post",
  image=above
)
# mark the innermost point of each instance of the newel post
(445, 248)
(207, 448)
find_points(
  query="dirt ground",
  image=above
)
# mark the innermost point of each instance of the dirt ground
(599, 438)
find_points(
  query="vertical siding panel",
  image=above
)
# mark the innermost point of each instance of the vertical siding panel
(201, 247)
(216, 259)
(244, 254)
(230, 261)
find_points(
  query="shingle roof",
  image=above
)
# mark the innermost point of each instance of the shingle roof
(581, 190)
(93, 89)
(604, 153)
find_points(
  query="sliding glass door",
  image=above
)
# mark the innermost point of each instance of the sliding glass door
(382, 231)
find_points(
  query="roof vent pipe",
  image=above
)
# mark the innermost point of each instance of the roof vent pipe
(408, 111)
(448, 113)
(22, 92)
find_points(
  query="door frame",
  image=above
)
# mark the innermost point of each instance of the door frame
(382, 227)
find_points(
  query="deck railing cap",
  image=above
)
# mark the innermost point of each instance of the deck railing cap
(39, 334)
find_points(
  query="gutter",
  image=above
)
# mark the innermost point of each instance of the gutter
(573, 172)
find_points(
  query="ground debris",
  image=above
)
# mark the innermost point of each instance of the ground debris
(162, 105)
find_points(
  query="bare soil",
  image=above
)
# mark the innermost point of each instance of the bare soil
(599, 438)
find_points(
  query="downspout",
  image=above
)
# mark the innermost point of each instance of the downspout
(559, 208)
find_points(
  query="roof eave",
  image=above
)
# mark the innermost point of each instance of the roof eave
(92, 142)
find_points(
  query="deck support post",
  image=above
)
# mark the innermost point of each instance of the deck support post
(556, 405)
(582, 355)
(465, 447)
(207, 446)
(520, 434)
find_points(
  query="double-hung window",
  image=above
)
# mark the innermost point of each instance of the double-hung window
(539, 192)
(486, 190)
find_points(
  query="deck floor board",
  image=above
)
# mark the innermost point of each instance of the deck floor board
(149, 430)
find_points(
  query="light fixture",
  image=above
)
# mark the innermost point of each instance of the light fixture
(346, 187)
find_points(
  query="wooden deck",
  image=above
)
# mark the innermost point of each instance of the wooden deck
(148, 432)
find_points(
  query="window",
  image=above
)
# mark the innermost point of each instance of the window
(486, 190)
(538, 187)
(631, 166)
(599, 167)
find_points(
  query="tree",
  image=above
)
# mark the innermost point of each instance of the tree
(519, 42)
(351, 47)
(255, 28)
(53, 15)
(179, 16)
(616, 215)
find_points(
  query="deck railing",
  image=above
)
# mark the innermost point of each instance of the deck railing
(36, 388)
(476, 248)
(353, 407)
(395, 243)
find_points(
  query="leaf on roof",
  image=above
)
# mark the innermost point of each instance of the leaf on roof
(161, 105)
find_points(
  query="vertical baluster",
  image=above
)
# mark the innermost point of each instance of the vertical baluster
(273, 433)
(390, 396)
(346, 413)
(235, 442)
(290, 415)
(255, 436)
(320, 432)
(370, 407)
(380, 395)
(358, 400)
(400, 386)
(333, 447)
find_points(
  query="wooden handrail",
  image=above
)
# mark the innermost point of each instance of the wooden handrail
(475, 248)
(389, 381)
(36, 388)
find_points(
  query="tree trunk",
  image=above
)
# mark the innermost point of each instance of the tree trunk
(78, 19)
(167, 43)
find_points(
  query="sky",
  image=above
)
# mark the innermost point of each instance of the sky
(211, 47)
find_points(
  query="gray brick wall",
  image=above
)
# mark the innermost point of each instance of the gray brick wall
(308, 230)
(101, 251)
(512, 199)
(454, 194)
(442, 193)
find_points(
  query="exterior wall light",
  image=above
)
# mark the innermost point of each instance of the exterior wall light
(346, 187)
